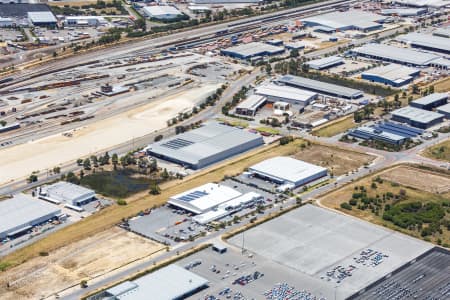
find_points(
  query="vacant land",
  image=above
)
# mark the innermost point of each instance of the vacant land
(69, 265)
(442, 85)
(440, 151)
(401, 199)
(419, 179)
(112, 215)
(338, 161)
(335, 127)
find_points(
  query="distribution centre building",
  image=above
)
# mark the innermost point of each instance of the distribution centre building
(417, 117)
(403, 12)
(392, 74)
(67, 193)
(445, 110)
(287, 171)
(162, 12)
(250, 106)
(426, 41)
(42, 18)
(246, 51)
(395, 54)
(169, 283)
(387, 132)
(292, 95)
(211, 143)
(20, 213)
(430, 101)
(204, 198)
(325, 63)
(349, 20)
(320, 87)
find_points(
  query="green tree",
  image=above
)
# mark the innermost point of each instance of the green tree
(87, 164)
(154, 189)
(294, 53)
(115, 160)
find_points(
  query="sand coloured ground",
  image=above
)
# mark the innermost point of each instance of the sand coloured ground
(19, 161)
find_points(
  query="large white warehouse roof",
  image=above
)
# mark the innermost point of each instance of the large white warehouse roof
(285, 92)
(169, 283)
(22, 211)
(287, 170)
(203, 198)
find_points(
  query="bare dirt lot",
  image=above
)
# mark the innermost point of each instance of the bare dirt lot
(419, 179)
(69, 265)
(339, 161)
(19, 161)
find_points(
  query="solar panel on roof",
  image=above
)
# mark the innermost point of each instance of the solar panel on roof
(177, 143)
(192, 196)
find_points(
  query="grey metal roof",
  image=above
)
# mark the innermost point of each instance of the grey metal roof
(169, 283)
(426, 40)
(325, 62)
(254, 48)
(252, 102)
(404, 12)
(68, 190)
(405, 55)
(22, 210)
(320, 86)
(41, 17)
(392, 72)
(444, 108)
(417, 114)
(382, 134)
(209, 140)
(288, 169)
(350, 18)
(423, 3)
(443, 31)
(429, 99)
(286, 92)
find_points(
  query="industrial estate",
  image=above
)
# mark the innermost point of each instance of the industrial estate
(225, 149)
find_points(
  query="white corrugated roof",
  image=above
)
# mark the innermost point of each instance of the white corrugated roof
(171, 282)
(161, 10)
(203, 198)
(41, 17)
(286, 92)
(289, 169)
(22, 210)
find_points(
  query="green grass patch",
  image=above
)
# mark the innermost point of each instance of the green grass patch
(269, 130)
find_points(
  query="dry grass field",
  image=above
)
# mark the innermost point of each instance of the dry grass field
(335, 127)
(86, 259)
(405, 184)
(440, 151)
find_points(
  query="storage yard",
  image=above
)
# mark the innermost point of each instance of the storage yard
(298, 251)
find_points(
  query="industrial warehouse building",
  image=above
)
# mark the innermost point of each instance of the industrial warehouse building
(417, 117)
(320, 87)
(246, 51)
(445, 110)
(387, 132)
(84, 21)
(204, 198)
(20, 213)
(395, 54)
(292, 95)
(288, 172)
(392, 74)
(250, 106)
(227, 208)
(403, 12)
(423, 3)
(430, 101)
(169, 283)
(442, 32)
(349, 20)
(211, 143)
(426, 41)
(67, 193)
(224, 1)
(42, 18)
(325, 63)
(162, 12)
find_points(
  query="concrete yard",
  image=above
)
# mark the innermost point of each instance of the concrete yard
(311, 241)
(67, 266)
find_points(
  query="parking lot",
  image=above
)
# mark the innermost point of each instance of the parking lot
(427, 278)
(10, 34)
